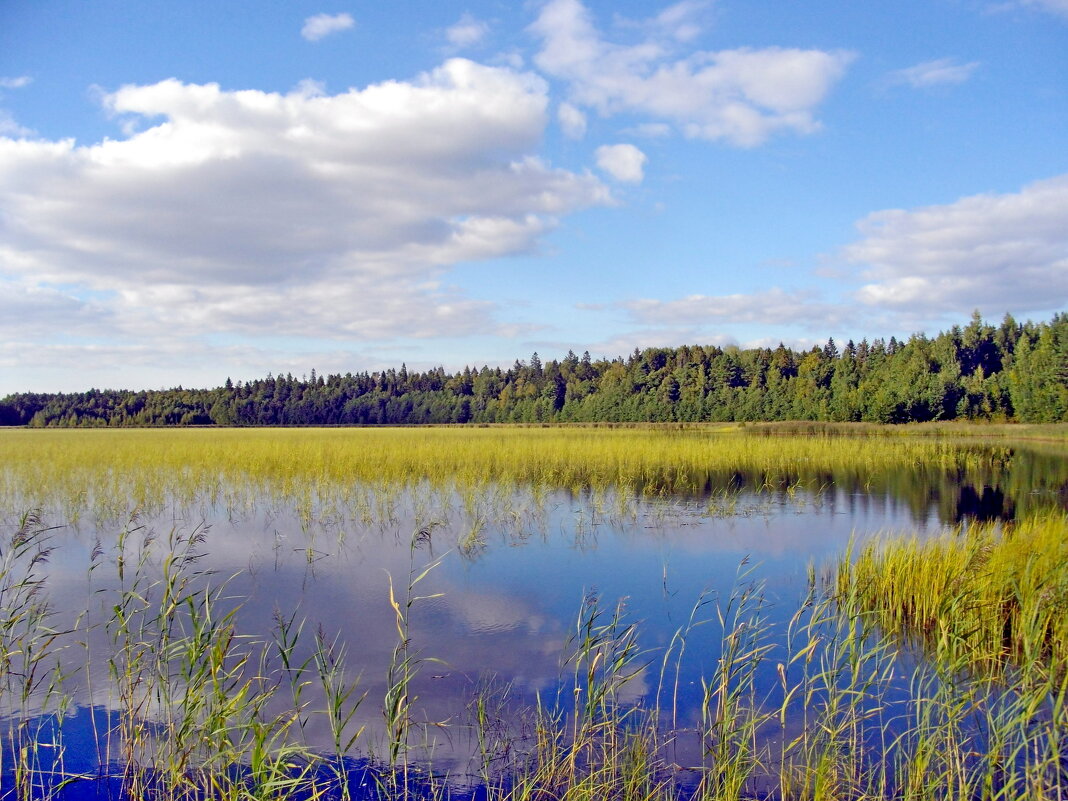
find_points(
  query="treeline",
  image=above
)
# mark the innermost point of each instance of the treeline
(1011, 371)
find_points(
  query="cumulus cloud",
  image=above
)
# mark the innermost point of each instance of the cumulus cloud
(990, 251)
(623, 162)
(934, 73)
(740, 96)
(258, 213)
(572, 121)
(467, 31)
(320, 25)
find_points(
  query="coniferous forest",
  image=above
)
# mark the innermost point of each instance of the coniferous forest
(981, 371)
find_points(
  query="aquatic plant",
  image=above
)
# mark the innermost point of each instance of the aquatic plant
(364, 473)
(915, 669)
(992, 594)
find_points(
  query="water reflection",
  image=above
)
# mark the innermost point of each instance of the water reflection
(505, 614)
(999, 482)
(500, 606)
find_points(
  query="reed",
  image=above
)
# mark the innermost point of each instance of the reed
(993, 594)
(981, 611)
(193, 697)
(112, 474)
(590, 742)
(399, 704)
(865, 705)
(31, 676)
(915, 669)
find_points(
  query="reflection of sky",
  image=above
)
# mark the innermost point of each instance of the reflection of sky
(505, 612)
(662, 564)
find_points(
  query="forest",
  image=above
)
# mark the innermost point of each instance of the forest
(979, 371)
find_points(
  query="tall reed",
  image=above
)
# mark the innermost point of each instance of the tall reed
(993, 594)
(109, 474)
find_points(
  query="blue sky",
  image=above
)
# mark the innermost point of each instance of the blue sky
(191, 191)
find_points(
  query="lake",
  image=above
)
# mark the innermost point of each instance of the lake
(440, 620)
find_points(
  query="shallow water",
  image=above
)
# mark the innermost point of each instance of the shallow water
(505, 587)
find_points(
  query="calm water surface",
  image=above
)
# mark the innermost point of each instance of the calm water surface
(508, 583)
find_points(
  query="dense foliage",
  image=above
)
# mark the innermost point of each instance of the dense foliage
(1011, 371)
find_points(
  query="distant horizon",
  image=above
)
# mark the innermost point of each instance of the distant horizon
(452, 370)
(200, 191)
(524, 360)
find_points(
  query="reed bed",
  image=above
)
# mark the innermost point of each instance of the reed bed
(995, 595)
(918, 669)
(112, 473)
(944, 429)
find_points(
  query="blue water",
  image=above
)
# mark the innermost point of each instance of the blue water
(496, 608)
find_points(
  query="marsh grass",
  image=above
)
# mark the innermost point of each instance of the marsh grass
(856, 708)
(1054, 432)
(994, 595)
(917, 670)
(360, 473)
(31, 676)
(984, 611)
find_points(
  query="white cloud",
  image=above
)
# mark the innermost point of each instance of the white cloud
(741, 96)
(993, 252)
(261, 214)
(466, 31)
(30, 365)
(623, 344)
(27, 310)
(935, 73)
(572, 121)
(15, 83)
(320, 25)
(510, 58)
(622, 162)
(9, 127)
(681, 20)
(770, 307)
(1059, 7)
(918, 268)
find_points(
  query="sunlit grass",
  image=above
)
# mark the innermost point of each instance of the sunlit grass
(923, 669)
(111, 473)
(993, 594)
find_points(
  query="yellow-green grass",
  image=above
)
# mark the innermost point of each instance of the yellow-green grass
(804, 738)
(991, 594)
(1053, 432)
(76, 470)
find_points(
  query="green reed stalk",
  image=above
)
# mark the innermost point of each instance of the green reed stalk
(405, 664)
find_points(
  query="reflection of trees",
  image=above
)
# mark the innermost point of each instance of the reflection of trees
(987, 483)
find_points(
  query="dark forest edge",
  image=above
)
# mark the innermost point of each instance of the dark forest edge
(1011, 372)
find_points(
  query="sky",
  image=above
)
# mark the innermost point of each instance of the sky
(201, 190)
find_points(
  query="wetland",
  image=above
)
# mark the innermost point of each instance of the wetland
(533, 612)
